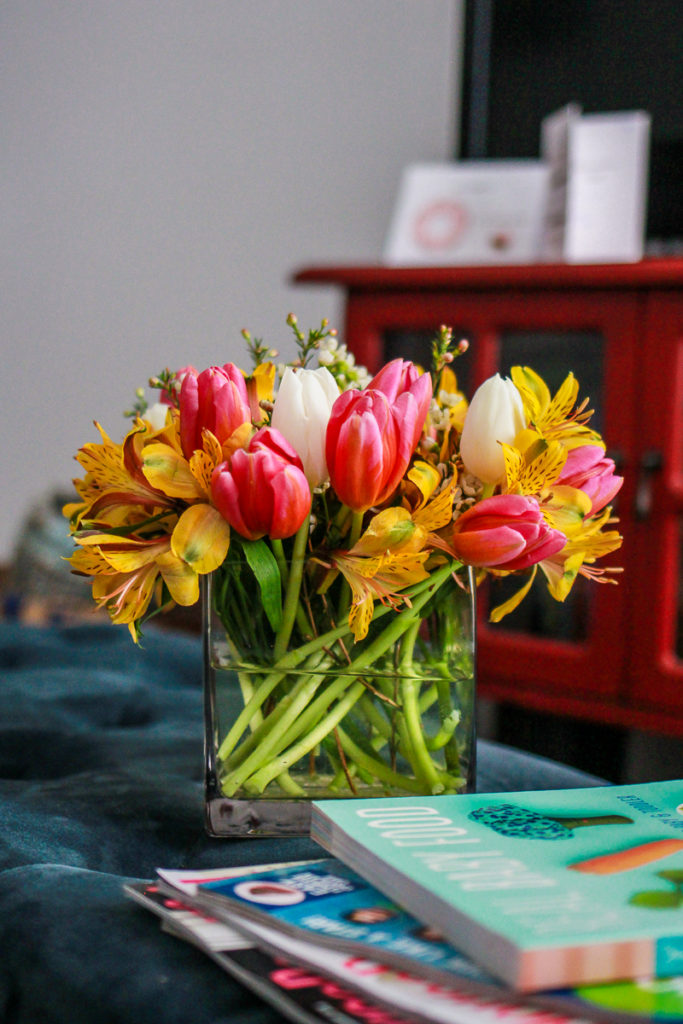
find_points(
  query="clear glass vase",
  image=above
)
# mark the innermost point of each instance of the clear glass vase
(390, 715)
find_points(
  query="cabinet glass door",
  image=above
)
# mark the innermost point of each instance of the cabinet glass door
(656, 628)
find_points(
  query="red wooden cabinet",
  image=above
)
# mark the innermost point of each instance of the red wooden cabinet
(612, 654)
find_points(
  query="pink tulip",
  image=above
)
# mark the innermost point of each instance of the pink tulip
(396, 377)
(590, 471)
(262, 490)
(507, 532)
(372, 434)
(215, 400)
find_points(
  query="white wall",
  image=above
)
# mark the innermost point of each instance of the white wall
(167, 164)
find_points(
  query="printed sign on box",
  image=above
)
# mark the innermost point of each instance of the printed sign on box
(473, 212)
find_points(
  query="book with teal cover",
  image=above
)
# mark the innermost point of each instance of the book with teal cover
(543, 889)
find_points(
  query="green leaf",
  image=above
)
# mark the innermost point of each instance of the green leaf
(656, 899)
(674, 875)
(264, 567)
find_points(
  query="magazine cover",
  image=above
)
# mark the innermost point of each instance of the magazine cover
(303, 979)
(328, 901)
(303, 996)
(544, 889)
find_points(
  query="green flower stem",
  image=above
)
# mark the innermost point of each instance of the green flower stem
(345, 592)
(422, 763)
(443, 736)
(289, 786)
(255, 704)
(379, 646)
(281, 559)
(246, 685)
(377, 768)
(383, 735)
(260, 779)
(293, 589)
(302, 622)
(406, 620)
(272, 741)
(446, 710)
(291, 661)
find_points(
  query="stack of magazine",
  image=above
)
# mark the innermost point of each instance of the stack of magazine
(542, 907)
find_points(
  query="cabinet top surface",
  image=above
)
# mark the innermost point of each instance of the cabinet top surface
(647, 274)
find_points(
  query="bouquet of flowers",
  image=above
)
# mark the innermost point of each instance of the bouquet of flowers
(336, 518)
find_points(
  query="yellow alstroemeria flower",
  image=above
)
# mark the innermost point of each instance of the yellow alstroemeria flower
(578, 555)
(114, 477)
(148, 519)
(532, 463)
(555, 417)
(391, 553)
(128, 568)
(378, 578)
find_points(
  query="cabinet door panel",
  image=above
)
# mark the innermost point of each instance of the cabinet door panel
(655, 675)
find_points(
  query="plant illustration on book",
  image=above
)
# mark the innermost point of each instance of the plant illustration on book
(662, 899)
(337, 521)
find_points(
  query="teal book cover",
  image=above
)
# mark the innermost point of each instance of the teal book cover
(543, 889)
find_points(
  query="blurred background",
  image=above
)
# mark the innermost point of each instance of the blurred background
(167, 165)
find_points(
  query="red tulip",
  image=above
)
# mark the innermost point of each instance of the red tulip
(588, 469)
(215, 400)
(507, 532)
(372, 434)
(262, 490)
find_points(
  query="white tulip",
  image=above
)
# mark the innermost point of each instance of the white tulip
(301, 413)
(495, 417)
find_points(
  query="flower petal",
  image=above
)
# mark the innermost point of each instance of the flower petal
(201, 538)
(170, 472)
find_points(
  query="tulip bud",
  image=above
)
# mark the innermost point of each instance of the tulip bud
(301, 413)
(215, 400)
(395, 377)
(507, 531)
(495, 417)
(262, 490)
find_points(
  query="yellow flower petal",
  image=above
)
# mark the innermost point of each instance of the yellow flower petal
(180, 578)
(238, 439)
(508, 606)
(89, 562)
(170, 472)
(425, 477)
(566, 508)
(202, 465)
(438, 512)
(360, 617)
(561, 577)
(201, 538)
(392, 528)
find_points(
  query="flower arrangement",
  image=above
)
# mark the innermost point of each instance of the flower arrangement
(334, 514)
